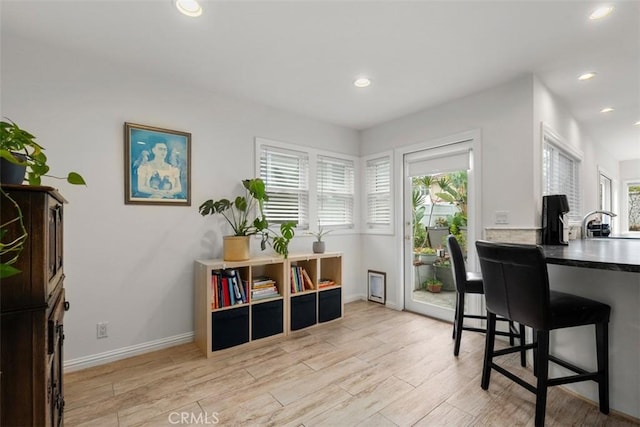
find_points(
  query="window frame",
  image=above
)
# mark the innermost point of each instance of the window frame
(385, 229)
(549, 137)
(625, 206)
(312, 181)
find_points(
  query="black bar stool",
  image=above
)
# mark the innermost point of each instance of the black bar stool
(516, 286)
(471, 283)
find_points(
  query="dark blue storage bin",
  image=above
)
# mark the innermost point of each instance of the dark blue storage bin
(266, 319)
(329, 305)
(303, 311)
(229, 327)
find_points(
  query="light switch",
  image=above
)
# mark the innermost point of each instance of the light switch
(502, 217)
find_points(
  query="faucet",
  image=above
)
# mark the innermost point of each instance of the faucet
(584, 221)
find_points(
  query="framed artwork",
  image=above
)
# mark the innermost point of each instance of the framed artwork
(157, 166)
(377, 286)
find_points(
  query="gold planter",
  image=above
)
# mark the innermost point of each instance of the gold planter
(235, 248)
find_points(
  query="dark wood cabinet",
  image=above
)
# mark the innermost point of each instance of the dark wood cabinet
(32, 306)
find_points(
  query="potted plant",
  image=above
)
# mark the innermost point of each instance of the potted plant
(433, 285)
(238, 214)
(18, 153)
(319, 246)
(439, 232)
(444, 273)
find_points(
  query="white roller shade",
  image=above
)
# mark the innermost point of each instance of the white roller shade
(450, 158)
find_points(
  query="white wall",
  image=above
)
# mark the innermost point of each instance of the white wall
(550, 110)
(133, 265)
(503, 114)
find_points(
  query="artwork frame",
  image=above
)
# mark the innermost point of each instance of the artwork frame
(377, 286)
(149, 180)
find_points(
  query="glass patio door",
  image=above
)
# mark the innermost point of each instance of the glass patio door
(436, 204)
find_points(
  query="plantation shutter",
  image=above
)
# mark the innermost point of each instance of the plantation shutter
(379, 192)
(336, 184)
(286, 177)
(560, 176)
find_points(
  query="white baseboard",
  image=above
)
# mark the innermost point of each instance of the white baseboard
(123, 353)
(352, 298)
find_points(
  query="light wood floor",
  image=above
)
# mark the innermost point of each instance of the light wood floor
(374, 367)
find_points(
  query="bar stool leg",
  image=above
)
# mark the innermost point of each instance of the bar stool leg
(523, 353)
(455, 317)
(458, 322)
(602, 354)
(543, 375)
(511, 329)
(488, 350)
(535, 353)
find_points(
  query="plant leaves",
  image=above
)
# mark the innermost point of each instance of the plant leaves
(241, 203)
(8, 271)
(75, 178)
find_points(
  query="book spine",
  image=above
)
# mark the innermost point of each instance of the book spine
(307, 280)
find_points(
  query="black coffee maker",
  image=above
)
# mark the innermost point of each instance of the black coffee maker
(555, 225)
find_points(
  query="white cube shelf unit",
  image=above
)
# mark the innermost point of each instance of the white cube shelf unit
(236, 303)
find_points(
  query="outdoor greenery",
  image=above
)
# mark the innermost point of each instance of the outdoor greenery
(448, 188)
(634, 207)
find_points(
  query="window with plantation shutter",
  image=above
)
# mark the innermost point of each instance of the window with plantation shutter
(286, 176)
(560, 175)
(336, 191)
(378, 181)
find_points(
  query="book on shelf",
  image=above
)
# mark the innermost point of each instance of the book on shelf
(300, 280)
(308, 284)
(270, 292)
(262, 281)
(228, 288)
(325, 283)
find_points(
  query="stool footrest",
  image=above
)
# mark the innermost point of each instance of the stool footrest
(567, 365)
(514, 378)
(515, 349)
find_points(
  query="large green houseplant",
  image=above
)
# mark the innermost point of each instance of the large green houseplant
(240, 212)
(18, 147)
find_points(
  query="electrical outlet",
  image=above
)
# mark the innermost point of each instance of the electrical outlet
(101, 329)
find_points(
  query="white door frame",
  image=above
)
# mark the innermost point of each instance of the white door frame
(474, 205)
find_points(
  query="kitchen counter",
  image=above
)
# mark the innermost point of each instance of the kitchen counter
(601, 253)
(606, 270)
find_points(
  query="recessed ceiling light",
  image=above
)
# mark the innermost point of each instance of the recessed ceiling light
(362, 82)
(601, 12)
(189, 7)
(587, 76)
(606, 110)
(637, 123)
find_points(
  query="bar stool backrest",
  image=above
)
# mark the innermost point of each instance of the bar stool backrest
(516, 282)
(457, 263)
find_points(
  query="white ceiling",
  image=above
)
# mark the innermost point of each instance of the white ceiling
(303, 56)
